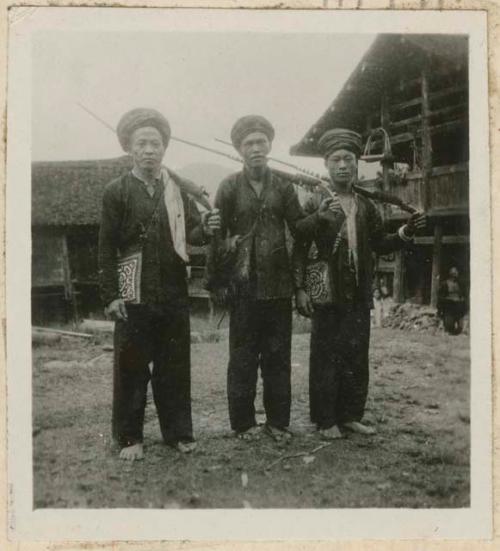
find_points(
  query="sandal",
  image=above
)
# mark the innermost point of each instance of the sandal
(278, 435)
(253, 433)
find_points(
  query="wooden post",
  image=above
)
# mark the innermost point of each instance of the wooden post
(384, 122)
(369, 125)
(398, 281)
(426, 141)
(69, 290)
(426, 182)
(420, 290)
(436, 264)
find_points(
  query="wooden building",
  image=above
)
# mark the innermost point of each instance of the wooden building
(415, 87)
(66, 201)
(66, 210)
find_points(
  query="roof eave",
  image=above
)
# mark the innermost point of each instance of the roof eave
(306, 146)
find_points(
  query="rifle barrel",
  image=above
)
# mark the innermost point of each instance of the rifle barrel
(312, 178)
(316, 179)
(304, 171)
(175, 138)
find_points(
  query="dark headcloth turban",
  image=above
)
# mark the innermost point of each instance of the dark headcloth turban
(248, 124)
(138, 118)
(339, 138)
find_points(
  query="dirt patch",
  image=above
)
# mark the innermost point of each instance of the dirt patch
(419, 401)
(415, 317)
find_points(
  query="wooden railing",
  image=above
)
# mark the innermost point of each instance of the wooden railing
(447, 192)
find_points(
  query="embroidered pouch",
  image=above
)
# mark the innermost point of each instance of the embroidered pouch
(129, 277)
(317, 282)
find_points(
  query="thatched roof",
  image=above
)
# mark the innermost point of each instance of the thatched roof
(69, 193)
(392, 59)
(66, 193)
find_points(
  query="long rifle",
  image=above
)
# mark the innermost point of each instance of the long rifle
(191, 188)
(308, 179)
(309, 173)
(198, 192)
(313, 179)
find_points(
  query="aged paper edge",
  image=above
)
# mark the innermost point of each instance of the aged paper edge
(493, 10)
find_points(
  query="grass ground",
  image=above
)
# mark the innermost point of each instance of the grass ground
(419, 401)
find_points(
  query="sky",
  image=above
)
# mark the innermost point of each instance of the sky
(202, 83)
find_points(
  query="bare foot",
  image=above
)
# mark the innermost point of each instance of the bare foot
(132, 453)
(186, 447)
(359, 428)
(333, 433)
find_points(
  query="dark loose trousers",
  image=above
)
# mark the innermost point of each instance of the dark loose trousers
(341, 331)
(453, 312)
(338, 374)
(157, 335)
(157, 329)
(261, 314)
(259, 336)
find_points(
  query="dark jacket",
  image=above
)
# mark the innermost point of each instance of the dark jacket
(262, 221)
(323, 233)
(127, 210)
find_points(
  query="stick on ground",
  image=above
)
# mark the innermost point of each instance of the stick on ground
(62, 332)
(299, 454)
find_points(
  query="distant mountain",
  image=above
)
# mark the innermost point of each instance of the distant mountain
(209, 175)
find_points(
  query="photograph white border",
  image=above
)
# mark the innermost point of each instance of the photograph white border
(248, 524)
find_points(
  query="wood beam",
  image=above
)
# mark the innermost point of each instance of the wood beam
(409, 83)
(443, 127)
(409, 136)
(436, 113)
(448, 92)
(433, 96)
(445, 240)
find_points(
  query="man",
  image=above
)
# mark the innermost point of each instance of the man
(146, 212)
(255, 206)
(346, 229)
(451, 305)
